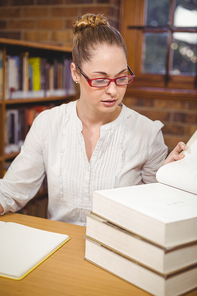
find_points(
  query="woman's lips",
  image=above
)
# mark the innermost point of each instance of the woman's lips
(109, 103)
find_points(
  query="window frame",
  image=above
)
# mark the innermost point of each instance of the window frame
(133, 28)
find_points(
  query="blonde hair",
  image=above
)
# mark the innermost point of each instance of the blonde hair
(90, 30)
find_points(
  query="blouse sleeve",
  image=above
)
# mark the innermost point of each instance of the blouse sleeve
(26, 173)
(157, 151)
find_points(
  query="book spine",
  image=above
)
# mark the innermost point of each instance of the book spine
(25, 72)
(43, 74)
(11, 131)
(30, 80)
(20, 73)
(21, 126)
(36, 80)
(12, 75)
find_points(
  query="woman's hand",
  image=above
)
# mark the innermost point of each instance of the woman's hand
(175, 154)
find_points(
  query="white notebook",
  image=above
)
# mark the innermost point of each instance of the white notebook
(23, 248)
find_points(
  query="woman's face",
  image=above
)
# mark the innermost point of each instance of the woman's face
(108, 61)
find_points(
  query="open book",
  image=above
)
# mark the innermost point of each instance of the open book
(23, 248)
(182, 174)
(165, 214)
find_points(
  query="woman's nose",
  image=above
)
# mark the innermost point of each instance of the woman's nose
(111, 88)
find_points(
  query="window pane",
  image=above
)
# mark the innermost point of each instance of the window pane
(185, 14)
(157, 12)
(184, 48)
(155, 53)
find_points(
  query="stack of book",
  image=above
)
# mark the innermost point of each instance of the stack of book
(147, 234)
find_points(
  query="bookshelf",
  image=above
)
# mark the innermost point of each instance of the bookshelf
(28, 99)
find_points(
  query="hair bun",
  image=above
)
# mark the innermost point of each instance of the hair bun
(89, 20)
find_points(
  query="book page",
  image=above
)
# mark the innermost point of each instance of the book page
(190, 142)
(182, 174)
(23, 248)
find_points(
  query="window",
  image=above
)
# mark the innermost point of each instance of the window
(165, 34)
(179, 28)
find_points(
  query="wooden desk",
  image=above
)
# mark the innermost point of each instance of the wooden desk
(66, 272)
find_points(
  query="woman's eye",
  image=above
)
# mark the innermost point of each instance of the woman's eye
(101, 81)
(122, 79)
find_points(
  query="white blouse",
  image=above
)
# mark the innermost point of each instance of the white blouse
(129, 152)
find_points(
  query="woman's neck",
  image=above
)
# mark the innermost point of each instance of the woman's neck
(91, 117)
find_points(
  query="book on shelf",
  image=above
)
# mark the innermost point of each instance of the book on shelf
(24, 248)
(43, 74)
(23, 72)
(21, 125)
(34, 77)
(138, 275)
(12, 75)
(162, 260)
(17, 124)
(165, 212)
(35, 69)
(11, 131)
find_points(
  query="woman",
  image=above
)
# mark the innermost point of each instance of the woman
(93, 143)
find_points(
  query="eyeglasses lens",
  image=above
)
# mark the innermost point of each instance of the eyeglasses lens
(119, 81)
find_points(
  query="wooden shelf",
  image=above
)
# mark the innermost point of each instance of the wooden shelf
(29, 44)
(36, 100)
(16, 48)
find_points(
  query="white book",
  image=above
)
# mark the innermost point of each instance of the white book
(162, 260)
(182, 174)
(23, 248)
(136, 274)
(165, 214)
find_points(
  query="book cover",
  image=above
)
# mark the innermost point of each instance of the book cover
(23, 248)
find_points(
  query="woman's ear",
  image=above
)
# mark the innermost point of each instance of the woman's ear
(74, 73)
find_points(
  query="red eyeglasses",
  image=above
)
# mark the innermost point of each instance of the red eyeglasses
(103, 82)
